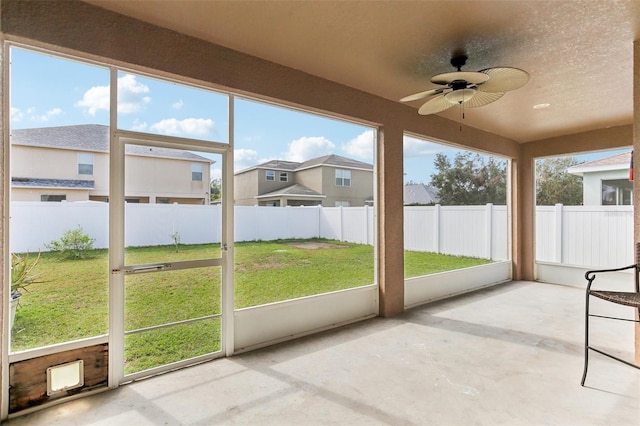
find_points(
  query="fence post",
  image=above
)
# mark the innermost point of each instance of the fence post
(341, 225)
(489, 229)
(366, 224)
(436, 228)
(319, 218)
(558, 233)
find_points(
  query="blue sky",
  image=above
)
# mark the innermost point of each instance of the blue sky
(47, 91)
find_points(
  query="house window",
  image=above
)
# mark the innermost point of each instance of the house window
(163, 201)
(85, 164)
(284, 177)
(196, 172)
(270, 175)
(618, 192)
(342, 204)
(54, 198)
(343, 177)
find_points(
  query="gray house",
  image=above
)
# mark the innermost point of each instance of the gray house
(329, 181)
(420, 194)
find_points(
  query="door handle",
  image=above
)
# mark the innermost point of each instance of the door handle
(138, 269)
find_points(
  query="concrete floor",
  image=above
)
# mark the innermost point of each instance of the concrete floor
(511, 354)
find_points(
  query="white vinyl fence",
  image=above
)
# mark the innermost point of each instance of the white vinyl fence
(594, 236)
(591, 236)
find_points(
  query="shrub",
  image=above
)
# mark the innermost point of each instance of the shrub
(73, 244)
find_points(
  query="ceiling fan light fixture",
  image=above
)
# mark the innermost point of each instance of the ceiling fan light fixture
(460, 96)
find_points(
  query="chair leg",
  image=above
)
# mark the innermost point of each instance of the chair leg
(586, 340)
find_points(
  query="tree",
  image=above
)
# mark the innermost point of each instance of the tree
(472, 179)
(554, 185)
(216, 189)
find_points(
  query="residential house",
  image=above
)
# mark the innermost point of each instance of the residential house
(71, 163)
(329, 181)
(420, 195)
(606, 181)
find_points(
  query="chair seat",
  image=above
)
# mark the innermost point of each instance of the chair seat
(620, 297)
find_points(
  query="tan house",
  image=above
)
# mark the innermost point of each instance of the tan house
(71, 163)
(329, 181)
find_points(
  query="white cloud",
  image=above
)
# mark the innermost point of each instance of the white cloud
(244, 158)
(131, 96)
(306, 148)
(31, 114)
(216, 173)
(361, 146)
(51, 113)
(188, 126)
(94, 99)
(177, 105)
(139, 126)
(16, 114)
(420, 148)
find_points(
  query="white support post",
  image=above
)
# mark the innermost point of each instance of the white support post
(558, 233)
(489, 230)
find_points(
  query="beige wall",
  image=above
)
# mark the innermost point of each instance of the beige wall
(265, 186)
(245, 188)
(148, 177)
(155, 177)
(33, 194)
(37, 162)
(361, 187)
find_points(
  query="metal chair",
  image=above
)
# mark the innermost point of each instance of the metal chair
(624, 298)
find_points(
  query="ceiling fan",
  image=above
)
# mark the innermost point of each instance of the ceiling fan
(468, 88)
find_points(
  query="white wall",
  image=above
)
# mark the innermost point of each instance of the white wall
(592, 185)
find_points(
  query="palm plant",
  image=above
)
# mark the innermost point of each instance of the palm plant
(23, 274)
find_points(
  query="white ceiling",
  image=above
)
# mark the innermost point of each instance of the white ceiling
(579, 53)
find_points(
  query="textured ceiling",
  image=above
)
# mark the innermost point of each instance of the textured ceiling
(579, 53)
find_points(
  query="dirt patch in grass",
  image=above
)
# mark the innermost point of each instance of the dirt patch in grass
(313, 245)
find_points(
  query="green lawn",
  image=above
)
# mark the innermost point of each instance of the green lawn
(73, 303)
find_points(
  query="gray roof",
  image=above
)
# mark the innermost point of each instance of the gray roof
(293, 190)
(420, 194)
(52, 183)
(335, 160)
(327, 160)
(90, 137)
(278, 165)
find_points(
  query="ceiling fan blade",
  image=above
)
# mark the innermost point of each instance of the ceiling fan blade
(435, 105)
(483, 98)
(470, 77)
(421, 95)
(503, 79)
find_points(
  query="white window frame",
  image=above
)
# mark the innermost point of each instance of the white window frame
(342, 204)
(85, 159)
(63, 197)
(343, 177)
(197, 169)
(284, 177)
(270, 176)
